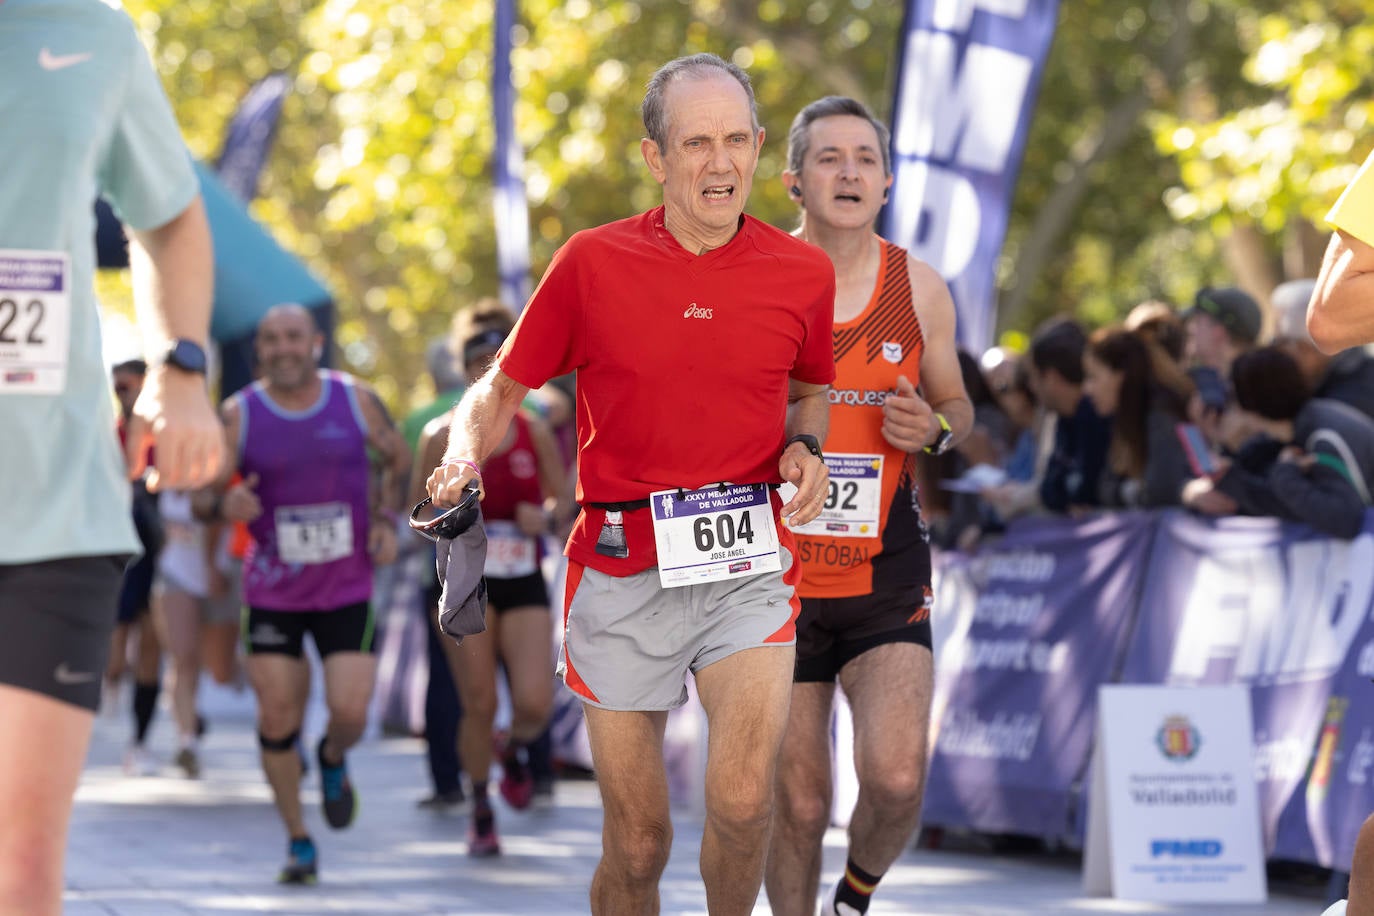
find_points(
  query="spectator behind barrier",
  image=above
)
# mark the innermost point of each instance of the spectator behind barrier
(1146, 464)
(1034, 438)
(988, 443)
(1221, 324)
(1347, 377)
(1079, 457)
(1157, 322)
(1306, 459)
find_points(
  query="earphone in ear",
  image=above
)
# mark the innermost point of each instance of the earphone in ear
(796, 192)
(317, 351)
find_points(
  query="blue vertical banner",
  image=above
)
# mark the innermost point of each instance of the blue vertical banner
(249, 136)
(967, 82)
(508, 167)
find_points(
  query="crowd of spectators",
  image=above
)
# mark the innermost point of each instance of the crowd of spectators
(1195, 408)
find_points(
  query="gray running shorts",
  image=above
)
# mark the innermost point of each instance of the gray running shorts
(57, 616)
(628, 643)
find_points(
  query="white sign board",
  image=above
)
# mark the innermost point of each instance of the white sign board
(1173, 812)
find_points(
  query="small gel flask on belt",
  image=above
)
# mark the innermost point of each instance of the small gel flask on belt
(611, 541)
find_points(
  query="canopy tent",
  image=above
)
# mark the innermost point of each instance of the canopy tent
(252, 274)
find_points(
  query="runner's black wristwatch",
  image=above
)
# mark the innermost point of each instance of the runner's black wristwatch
(186, 355)
(813, 445)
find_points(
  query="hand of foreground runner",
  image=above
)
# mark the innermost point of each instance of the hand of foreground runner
(174, 416)
(812, 480)
(445, 485)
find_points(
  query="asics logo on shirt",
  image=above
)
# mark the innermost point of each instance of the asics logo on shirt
(696, 311)
(50, 61)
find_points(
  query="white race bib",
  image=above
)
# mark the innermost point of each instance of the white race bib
(510, 554)
(854, 504)
(35, 321)
(721, 531)
(314, 534)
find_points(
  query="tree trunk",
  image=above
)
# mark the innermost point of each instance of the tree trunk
(1118, 126)
(1250, 263)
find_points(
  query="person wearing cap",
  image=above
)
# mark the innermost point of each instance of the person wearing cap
(523, 480)
(1347, 376)
(1222, 323)
(1340, 313)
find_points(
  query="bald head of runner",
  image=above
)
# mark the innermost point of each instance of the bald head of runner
(288, 346)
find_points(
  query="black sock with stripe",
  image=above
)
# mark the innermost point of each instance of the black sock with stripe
(856, 890)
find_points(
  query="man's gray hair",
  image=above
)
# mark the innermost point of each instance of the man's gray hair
(799, 135)
(695, 66)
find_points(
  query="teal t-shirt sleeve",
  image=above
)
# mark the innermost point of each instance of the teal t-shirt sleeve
(146, 173)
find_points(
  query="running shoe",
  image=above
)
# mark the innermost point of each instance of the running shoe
(189, 761)
(337, 797)
(833, 907)
(542, 799)
(452, 802)
(302, 863)
(138, 761)
(482, 840)
(517, 783)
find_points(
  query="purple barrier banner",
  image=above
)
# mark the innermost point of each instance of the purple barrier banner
(1283, 610)
(1026, 630)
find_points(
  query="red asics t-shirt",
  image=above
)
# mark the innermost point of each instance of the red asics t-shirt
(682, 361)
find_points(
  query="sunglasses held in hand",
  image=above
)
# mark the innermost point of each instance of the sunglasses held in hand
(450, 523)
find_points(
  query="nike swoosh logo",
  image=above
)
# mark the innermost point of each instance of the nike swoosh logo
(65, 675)
(50, 61)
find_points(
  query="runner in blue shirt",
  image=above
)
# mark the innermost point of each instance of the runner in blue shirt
(85, 116)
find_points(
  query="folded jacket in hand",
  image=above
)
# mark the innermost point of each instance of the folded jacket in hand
(463, 604)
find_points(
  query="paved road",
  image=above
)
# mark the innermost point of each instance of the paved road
(166, 845)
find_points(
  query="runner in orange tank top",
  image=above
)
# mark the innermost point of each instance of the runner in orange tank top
(866, 596)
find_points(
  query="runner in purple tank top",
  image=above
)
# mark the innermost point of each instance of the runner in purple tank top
(320, 522)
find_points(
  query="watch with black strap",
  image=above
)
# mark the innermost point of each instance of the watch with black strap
(186, 355)
(813, 445)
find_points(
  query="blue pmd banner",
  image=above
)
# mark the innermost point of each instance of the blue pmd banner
(966, 87)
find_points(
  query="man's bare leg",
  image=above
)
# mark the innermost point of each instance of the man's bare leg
(636, 834)
(803, 796)
(746, 697)
(36, 791)
(281, 683)
(889, 690)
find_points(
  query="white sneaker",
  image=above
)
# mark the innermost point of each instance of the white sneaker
(138, 761)
(831, 907)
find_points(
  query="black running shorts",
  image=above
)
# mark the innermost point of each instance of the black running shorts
(57, 616)
(347, 629)
(524, 591)
(832, 632)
